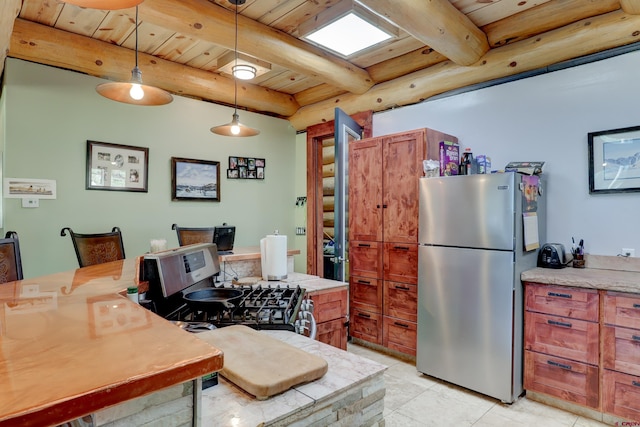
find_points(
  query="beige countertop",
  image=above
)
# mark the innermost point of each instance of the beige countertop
(309, 282)
(249, 252)
(606, 273)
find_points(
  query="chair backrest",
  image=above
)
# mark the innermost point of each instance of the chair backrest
(97, 248)
(191, 235)
(10, 261)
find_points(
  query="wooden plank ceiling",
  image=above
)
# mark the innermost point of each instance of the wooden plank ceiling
(441, 45)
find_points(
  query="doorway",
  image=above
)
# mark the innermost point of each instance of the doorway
(324, 175)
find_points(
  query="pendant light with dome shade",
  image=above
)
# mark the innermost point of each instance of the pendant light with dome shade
(134, 91)
(235, 128)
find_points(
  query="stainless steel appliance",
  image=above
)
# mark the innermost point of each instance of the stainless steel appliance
(182, 288)
(470, 298)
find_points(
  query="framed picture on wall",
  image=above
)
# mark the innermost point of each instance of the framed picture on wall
(614, 161)
(116, 167)
(193, 179)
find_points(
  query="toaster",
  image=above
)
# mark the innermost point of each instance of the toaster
(552, 255)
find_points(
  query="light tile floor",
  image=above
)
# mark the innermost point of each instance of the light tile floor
(416, 400)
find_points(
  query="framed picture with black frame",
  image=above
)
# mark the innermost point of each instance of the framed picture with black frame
(614, 161)
(117, 167)
(193, 179)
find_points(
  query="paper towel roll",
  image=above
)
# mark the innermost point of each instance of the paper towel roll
(273, 254)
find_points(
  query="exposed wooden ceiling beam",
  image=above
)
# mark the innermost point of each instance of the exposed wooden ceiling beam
(438, 24)
(212, 23)
(572, 41)
(545, 17)
(631, 6)
(9, 9)
(46, 45)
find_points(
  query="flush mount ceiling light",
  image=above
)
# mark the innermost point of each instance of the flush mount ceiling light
(235, 128)
(104, 4)
(134, 91)
(347, 28)
(243, 67)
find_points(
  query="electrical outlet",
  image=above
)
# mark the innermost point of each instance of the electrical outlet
(629, 252)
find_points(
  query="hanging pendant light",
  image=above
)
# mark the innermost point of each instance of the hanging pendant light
(104, 4)
(134, 91)
(235, 128)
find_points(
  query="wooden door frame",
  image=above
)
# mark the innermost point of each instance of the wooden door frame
(315, 135)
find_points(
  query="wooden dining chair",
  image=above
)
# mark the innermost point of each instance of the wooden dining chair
(193, 235)
(96, 248)
(10, 261)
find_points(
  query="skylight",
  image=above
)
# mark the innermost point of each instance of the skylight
(348, 35)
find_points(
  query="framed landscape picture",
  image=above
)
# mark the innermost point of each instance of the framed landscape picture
(193, 179)
(117, 167)
(614, 160)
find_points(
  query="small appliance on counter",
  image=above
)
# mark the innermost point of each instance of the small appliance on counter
(552, 255)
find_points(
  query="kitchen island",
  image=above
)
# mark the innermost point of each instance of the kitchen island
(72, 344)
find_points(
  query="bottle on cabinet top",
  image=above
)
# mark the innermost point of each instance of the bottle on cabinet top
(466, 162)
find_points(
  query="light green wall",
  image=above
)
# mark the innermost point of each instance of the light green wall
(51, 113)
(301, 191)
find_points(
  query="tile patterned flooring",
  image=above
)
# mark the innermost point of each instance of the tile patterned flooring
(416, 400)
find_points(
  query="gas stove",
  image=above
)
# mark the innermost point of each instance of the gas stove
(177, 273)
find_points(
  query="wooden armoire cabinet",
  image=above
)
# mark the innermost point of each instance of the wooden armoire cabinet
(383, 235)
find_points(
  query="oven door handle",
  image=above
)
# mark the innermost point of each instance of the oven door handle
(314, 329)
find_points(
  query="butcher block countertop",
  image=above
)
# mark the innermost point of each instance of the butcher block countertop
(602, 272)
(71, 344)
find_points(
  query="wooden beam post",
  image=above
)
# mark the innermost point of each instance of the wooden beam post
(9, 9)
(46, 45)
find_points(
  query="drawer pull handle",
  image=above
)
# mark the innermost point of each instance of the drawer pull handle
(402, 325)
(635, 337)
(636, 305)
(401, 248)
(556, 323)
(559, 295)
(384, 206)
(364, 282)
(402, 288)
(364, 245)
(559, 365)
(635, 383)
(366, 316)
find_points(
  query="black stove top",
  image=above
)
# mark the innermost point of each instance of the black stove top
(260, 307)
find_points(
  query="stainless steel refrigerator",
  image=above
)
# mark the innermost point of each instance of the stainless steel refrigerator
(470, 298)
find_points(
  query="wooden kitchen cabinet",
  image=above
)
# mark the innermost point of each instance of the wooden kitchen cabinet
(384, 177)
(331, 314)
(621, 355)
(562, 340)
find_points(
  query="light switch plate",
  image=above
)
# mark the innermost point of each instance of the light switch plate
(30, 203)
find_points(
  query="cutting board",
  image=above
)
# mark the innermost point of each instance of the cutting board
(261, 365)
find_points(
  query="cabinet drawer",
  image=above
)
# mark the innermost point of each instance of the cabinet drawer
(622, 310)
(366, 294)
(365, 259)
(366, 325)
(333, 333)
(401, 262)
(329, 305)
(622, 349)
(563, 337)
(563, 301)
(621, 395)
(566, 379)
(401, 300)
(399, 335)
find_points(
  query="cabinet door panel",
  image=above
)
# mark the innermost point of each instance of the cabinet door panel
(401, 262)
(566, 379)
(563, 337)
(622, 310)
(621, 395)
(365, 190)
(329, 305)
(366, 326)
(365, 259)
(399, 335)
(563, 301)
(366, 294)
(401, 300)
(622, 349)
(333, 333)
(402, 166)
